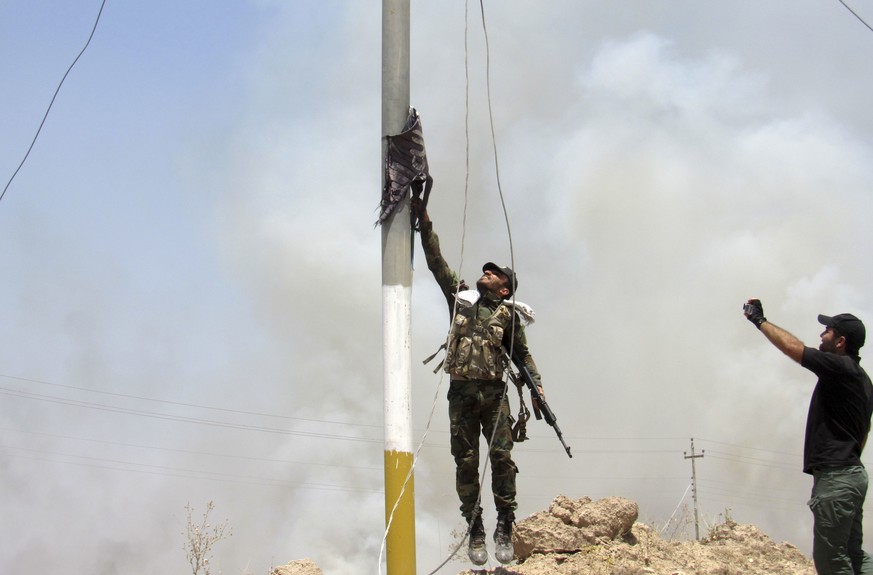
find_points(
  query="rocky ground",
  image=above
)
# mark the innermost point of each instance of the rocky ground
(584, 537)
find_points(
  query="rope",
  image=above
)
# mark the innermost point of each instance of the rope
(454, 310)
(464, 231)
(464, 236)
(51, 103)
(408, 477)
(461, 263)
(494, 140)
(497, 165)
(675, 510)
(855, 14)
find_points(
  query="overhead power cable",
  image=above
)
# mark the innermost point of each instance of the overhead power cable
(855, 14)
(181, 418)
(598, 447)
(750, 447)
(771, 494)
(194, 405)
(186, 452)
(753, 461)
(58, 399)
(177, 472)
(51, 103)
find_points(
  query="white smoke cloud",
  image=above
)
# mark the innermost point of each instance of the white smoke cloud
(220, 337)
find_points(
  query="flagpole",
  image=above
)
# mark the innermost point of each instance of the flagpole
(396, 306)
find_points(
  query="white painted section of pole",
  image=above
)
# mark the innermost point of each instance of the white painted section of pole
(396, 236)
(397, 305)
(397, 370)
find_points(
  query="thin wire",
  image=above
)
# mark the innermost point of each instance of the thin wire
(497, 169)
(409, 476)
(466, 137)
(502, 200)
(675, 510)
(463, 540)
(508, 229)
(454, 310)
(167, 471)
(494, 137)
(184, 404)
(463, 243)
(756, 462)
(463, 239)
(749, 447)
(856, 15)
(177, 418)
(58, 89)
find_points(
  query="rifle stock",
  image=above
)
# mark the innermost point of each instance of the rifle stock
(540, 407)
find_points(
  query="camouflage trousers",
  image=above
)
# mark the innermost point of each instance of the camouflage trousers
(474, 407)
(837, 505)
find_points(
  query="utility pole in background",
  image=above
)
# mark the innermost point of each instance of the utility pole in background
(396, 305)
(692, 457)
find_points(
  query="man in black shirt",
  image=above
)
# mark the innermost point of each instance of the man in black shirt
(836, 431)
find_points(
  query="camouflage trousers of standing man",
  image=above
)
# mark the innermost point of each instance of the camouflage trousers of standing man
(837, 504)
(477, 407)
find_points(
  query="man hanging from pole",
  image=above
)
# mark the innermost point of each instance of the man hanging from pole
(483, 325)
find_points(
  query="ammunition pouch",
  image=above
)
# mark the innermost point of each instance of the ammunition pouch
(473, 347)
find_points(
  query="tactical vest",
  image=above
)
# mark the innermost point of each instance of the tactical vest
(473, 346)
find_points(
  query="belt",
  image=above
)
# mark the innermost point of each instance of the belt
(485, 381)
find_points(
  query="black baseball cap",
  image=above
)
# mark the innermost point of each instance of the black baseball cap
(505, 272)
(847, 326)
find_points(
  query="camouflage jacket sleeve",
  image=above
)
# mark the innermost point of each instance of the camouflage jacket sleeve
(444, 275)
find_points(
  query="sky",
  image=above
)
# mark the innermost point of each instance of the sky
(191, 302)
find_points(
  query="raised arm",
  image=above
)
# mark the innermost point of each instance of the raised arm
(445, 276)
(783, 340)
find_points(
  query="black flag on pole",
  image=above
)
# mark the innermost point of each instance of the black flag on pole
(405, 167)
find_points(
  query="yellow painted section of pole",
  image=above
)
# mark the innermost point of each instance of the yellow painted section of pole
(400, 544)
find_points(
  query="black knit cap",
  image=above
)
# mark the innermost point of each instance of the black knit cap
(847, 326)
(505, 272)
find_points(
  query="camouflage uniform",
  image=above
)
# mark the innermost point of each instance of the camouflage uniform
(474, 404)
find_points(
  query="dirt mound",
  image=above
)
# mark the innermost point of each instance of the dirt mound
(581, 537)
(585, 537)
(299, 567)
(572, 525)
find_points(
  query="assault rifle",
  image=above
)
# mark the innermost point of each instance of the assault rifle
(540, 407)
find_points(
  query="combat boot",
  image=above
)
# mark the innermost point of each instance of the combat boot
(503, 550)
(477, 552)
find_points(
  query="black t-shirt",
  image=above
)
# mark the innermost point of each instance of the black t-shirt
(839, 411)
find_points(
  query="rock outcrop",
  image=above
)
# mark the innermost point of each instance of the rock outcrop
(570, 525)
(299, 567)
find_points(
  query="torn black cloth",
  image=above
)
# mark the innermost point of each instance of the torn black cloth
(405, 167)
